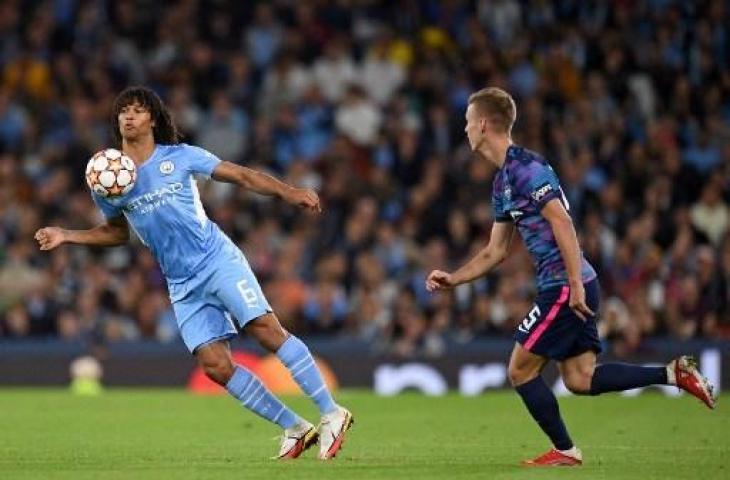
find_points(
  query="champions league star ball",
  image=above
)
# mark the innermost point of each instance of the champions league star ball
(110, 173)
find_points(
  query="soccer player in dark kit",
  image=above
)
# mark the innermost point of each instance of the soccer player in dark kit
(562, 325)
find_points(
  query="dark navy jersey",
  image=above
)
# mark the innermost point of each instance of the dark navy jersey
(521, 188)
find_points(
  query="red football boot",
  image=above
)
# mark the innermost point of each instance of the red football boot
(556, 458)
(689, 379)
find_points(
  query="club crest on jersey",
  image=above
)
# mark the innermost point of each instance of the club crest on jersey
(167, 167)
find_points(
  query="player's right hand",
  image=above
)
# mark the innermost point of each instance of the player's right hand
(50, 237)
(305, 198)
(577, 302)
(439, 280)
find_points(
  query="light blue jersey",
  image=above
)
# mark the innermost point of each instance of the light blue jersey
(207, 275)
(165, 212)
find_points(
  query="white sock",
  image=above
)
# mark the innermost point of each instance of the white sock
(671, 377)
(300, 427)
(573, 452)
(329, 415)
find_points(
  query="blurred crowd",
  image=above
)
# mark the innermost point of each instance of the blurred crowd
(364, 101)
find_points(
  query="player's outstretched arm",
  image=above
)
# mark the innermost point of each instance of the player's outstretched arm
(265, 184)
(114, 232)
(564, 233)
(488, 258)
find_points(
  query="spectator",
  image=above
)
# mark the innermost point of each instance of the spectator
(225, 129)
(710, 214)
(358, 118)
(334, 71)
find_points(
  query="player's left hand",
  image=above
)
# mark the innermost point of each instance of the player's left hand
(578, 302)
(305, 198)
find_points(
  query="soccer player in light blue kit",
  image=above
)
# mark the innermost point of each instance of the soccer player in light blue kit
(208, 277)
(561, 326)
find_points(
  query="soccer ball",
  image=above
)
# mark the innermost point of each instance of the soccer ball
(110, 173)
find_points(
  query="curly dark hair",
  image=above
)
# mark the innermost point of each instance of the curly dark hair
(165, 132)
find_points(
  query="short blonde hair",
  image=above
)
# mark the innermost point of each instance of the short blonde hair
(497, 105)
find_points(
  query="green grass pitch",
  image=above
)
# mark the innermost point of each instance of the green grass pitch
(159, 434)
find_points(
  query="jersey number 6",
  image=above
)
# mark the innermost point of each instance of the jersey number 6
(248, 293)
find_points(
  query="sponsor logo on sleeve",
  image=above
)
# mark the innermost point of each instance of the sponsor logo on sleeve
(541, 191)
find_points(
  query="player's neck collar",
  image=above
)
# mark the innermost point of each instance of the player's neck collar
(151, 158)
(509, 154)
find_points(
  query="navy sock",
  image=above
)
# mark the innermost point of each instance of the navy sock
(616, 377)
(543, 407)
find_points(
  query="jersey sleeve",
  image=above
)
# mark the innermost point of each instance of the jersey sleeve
(498, 207)
(542, 184)
(107, 209)
(201, 161)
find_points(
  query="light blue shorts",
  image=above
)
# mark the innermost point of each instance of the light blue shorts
(223, 291)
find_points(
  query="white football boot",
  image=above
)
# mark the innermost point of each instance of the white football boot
(295, 440)
(332, 432)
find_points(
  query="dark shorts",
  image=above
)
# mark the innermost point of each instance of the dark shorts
(553, 330)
